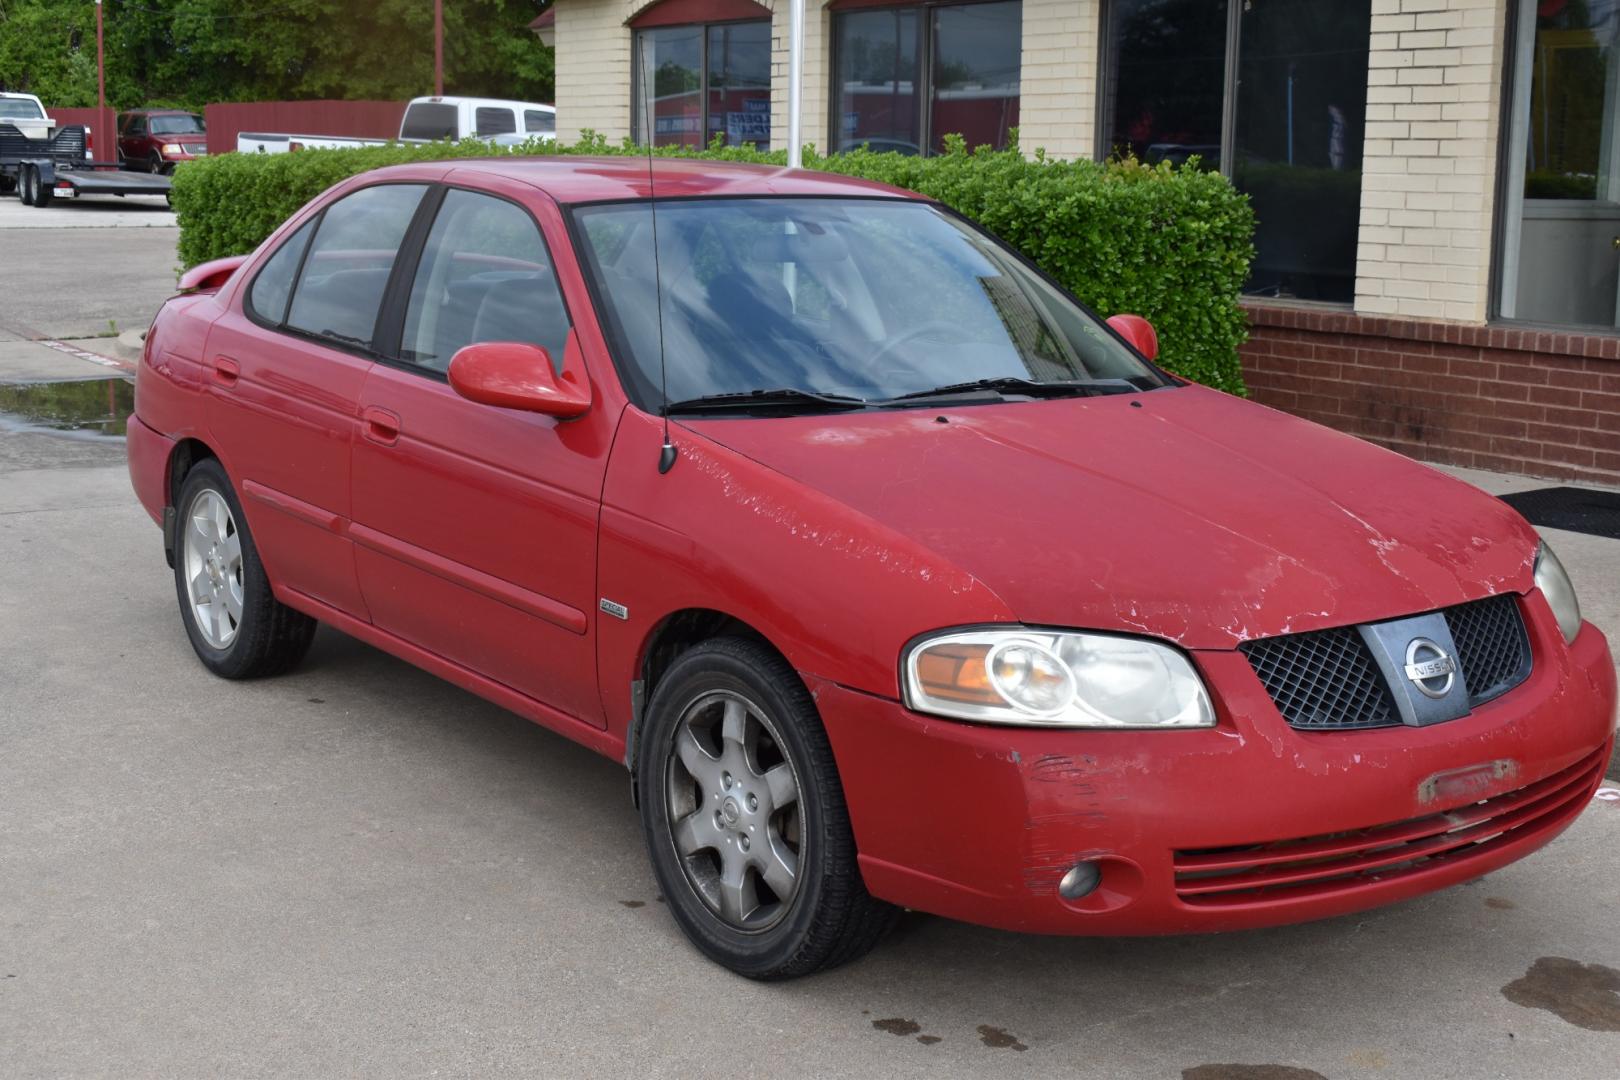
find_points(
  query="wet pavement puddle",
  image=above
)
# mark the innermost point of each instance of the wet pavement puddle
(1586, 995)
(88, 408)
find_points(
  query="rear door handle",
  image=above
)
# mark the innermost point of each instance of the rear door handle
(226, 371)
(379, 425)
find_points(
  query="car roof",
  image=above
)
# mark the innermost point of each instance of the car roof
(159, 112)
(453, 99)
(571, 179)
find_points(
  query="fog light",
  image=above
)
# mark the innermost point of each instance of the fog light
(1081, 880)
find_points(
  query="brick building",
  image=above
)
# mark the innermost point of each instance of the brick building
(1437, 181)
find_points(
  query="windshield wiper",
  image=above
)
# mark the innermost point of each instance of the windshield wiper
(784, 398)
(1033, 388)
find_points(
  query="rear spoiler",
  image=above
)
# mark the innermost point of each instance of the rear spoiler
(210, 276)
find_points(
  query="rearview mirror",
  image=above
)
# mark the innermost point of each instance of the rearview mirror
(517, 375)
(1139, 332)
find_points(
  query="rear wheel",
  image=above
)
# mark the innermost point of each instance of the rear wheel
(43, 192)
(25, 185)
(236, 625)
(745, 819)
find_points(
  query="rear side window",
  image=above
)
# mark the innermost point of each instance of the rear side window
(346, 271)
(537, 121)
(267, 296)
(485, 275)
(430, 121)
(492, 121)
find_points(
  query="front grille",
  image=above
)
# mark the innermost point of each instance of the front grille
(1327, 680)
(1491, 646)
(1323, 680)
(1318, 865)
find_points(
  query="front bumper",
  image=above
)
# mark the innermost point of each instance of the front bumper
(979, 823)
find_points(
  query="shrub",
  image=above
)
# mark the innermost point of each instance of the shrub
(1172, 244)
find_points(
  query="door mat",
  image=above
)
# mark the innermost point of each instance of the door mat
(1582, 510)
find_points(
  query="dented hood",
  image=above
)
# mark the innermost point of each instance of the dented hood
(1184, 513)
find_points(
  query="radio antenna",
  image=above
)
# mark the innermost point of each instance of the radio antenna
(666, 455)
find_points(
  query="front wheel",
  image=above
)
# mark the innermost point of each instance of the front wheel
(745, 818)
(236, 625)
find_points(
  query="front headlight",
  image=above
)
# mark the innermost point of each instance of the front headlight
(173, 150)
(1050, 678)
(1554, 585)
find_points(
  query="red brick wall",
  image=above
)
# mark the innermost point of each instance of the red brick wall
(1513, 400)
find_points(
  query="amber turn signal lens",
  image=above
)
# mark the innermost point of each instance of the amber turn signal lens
(957, 673)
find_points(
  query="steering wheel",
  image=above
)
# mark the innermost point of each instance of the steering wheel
(907, 336)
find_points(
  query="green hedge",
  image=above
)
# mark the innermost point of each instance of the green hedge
(1171, 244)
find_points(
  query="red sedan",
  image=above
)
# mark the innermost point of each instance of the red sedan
(895, 576)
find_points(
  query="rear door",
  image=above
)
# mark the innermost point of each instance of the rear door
(286, 366)
(475, 526)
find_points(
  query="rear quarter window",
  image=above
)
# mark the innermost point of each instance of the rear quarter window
(267, 296)
(537, 121)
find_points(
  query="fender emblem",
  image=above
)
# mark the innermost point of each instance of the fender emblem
(618, 611)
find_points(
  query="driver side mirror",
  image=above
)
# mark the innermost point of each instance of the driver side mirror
(517, 375)
(1139, 332)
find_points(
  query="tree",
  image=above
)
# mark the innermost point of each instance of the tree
(192, 52)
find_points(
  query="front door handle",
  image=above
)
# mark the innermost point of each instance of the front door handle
(379, 425)
(226, 371)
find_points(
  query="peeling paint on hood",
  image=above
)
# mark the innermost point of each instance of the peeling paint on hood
(1184, 514)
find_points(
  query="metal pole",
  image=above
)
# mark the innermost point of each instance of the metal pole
(101, 88)
(438, 47)
(795, 148)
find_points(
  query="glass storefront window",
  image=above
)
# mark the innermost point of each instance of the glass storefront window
(1560, 257)
(1301, 109)
(884, 96)
(1168, 68)
(1286, 124)
(704, 81)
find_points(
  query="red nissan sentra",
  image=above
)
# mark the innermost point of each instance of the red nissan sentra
(893, 574)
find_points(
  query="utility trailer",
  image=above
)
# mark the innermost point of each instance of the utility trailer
(40, 169)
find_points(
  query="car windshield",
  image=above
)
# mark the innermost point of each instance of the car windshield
(178, 125)
(20, 108)
(873, 299)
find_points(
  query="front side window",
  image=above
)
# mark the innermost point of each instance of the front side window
(485, 275)
(704, 81)
(1286, 124)
(865, 298)
(346, 271)
(908, 76)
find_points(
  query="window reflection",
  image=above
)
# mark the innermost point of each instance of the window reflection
(1168, 66)
(877, 80)
(976, 68)
(736, 104)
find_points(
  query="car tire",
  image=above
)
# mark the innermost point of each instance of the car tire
(739, 792)
(25, 185)
(236, 625)
(8, 185)
(43, 193)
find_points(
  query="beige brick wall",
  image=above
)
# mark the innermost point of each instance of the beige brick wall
(1427, 187)
(1058, 92)
(593, 67)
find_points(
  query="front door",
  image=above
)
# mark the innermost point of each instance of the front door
(475, 526)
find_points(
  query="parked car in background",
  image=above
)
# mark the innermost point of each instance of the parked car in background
(156, 140)
(429, 119)
(26, 113)
(896, 576)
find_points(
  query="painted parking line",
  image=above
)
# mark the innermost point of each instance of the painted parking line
(84, 354)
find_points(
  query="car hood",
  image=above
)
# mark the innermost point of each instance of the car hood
(1182, 513)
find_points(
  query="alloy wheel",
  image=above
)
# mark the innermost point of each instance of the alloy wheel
(734, 813)
(213, 567)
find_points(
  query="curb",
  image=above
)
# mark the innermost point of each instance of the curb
(130, 345)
